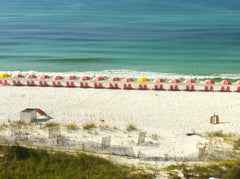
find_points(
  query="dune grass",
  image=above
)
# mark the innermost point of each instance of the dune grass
(89, 126)
(71, 126)
(131, 127)
(220, 169)
(20, 162)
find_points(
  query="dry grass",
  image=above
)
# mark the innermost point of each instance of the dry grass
(89, 126)
(104, 127)
(51, 125)
(71, 126)
(1, 127)
(131, 127)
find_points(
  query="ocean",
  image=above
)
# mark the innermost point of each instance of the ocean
(127, 38)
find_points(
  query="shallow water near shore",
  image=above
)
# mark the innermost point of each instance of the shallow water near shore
(128, 38)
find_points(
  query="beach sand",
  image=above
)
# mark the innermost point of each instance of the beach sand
(166, 114)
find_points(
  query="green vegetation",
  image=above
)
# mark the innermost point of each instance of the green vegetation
(131, 127)
(219, 169)
(89, 126)
(20, 162)
(71, 126)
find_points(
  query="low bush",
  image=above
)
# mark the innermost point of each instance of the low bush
(89, 126)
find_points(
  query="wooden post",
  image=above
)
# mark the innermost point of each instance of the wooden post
(217, 120)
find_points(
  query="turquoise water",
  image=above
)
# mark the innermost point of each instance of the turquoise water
(153, 38)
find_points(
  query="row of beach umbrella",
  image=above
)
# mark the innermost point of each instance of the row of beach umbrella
(114, 79)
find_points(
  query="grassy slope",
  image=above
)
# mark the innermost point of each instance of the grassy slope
(20, 162)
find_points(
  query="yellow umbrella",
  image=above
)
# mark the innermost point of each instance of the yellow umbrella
(143, 80)
(4, 75)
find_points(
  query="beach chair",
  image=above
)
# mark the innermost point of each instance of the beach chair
(171, 87)
(161, 87)
(5, 82)
(176, 87)
(40, 83)
(68, 84)
(59, 84)
(222, 88)
(14, 83)
(28, 83)
(206, 88)
(95, 85)
(140, 86)
(129, 86)
(145, 86)
(110, 85)
(19, 83)
(81, 85)
(211, 88)
(45, 83)
(192, 88)
(156, 87)
(33, 83)
(54, 84)
(100, 85)
(228, 89)
(187, 88)
(72, 84)
(125, 86)
(238, 89)
(1, 82)
(116, 86)
(86, 85)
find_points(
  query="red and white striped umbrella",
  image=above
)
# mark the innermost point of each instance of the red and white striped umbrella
(237, 82)
(85, 78)
(98, 78)
(44, 77)
(57, 78)
(175, 81)
(209, 82)
(113, 79)
(225, 82)
(127, 80)
(71, 77)
(159, 80)
(190, 81)
(18, 76)
(31, 77)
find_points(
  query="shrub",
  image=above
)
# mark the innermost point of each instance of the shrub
(71, 126)
(51, 125)
(104, 127)
(89, 126)
(131, 127)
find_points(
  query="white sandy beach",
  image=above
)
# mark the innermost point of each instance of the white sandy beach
(170, 115)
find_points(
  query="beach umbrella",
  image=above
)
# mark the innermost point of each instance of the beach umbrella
(113, 79)
(127, 80)
(31, 76)
(209, 82)
(98, 78)
(57, 78)
(159, 80)
(237, 82)
(225, 82)
(4, 75)
(71, 77)
(174, 81)
(44, 77)
(190, 81)
(85, 78)
(143, 80)
(18, 76)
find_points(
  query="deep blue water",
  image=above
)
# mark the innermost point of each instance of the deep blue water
(127, 37)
